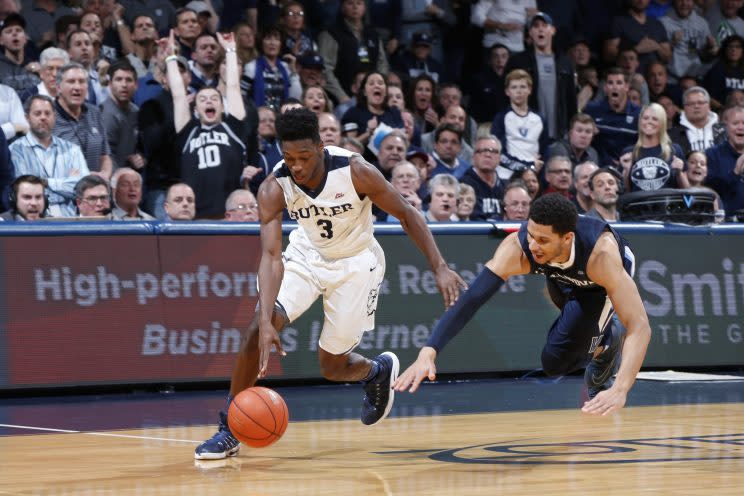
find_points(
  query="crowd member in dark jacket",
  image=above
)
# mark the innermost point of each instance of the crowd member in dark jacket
(554, 86)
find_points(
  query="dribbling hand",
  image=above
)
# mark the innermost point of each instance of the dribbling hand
(422, 368)
(267, 337)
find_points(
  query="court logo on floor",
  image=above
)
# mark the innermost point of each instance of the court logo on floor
(616, 451)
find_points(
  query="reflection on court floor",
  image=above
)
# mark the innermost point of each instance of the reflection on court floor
(692, 447)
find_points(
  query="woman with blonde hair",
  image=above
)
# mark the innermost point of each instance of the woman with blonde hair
(654, 162)
(245, 41)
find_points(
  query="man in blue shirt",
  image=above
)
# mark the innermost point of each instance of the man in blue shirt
(726, 164)
(616, 118)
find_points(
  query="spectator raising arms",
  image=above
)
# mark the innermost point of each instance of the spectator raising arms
(212, 155)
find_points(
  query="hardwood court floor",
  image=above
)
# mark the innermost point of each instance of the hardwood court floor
(691, 449)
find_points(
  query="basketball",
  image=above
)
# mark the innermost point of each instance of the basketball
(258, 416)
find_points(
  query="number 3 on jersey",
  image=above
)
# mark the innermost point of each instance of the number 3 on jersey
(209, 156)
(327, 227)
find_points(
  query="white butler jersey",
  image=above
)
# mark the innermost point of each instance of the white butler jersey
(332, 219)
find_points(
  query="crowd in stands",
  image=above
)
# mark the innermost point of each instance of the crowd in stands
(157, 109)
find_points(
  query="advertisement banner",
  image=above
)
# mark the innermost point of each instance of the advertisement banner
(101, 309)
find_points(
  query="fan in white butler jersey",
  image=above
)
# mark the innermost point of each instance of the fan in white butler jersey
(333, 254)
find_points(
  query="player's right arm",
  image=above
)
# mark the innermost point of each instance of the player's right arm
(509, 260)
(270, 268)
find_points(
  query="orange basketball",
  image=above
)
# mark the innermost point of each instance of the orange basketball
(258, 416)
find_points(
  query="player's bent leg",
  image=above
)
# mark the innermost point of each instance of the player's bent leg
(223, 444)
(601, 368)
(378, 392)
(376, 374)
(245, 371)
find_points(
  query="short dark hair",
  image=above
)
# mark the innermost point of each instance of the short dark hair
(298, 124)
(90, 181)
(122, 65)
(447, 127)
(616, 71)
(143, 14)
(27, 105)
(26, 178)
(613, 173)
(556, 211)
(77, 31)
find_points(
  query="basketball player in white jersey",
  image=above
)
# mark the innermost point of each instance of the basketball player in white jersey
(329, 192)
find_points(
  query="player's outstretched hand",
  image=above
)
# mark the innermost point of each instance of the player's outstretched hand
(449, 283)
(605, 402)
(419, 370)
(267, 337)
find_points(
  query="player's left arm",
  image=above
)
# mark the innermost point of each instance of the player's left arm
(605, 267)
(369, 181)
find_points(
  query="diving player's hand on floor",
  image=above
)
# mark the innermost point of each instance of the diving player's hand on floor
(419, 370)
(605, 402)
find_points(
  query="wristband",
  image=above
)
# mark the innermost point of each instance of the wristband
(230, 50)
(171, 57)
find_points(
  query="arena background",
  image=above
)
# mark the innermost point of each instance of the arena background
(102, 304)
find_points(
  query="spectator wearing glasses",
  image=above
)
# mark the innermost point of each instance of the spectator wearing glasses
(698, 128)
(93, 197)
(559, 177)
(517, 201)
(50, 60)
(241, 206)
(297, 41)
(482, 176)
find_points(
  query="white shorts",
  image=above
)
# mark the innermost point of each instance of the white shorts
(350, 288)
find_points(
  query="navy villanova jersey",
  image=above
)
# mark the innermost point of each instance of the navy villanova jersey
(570, 277)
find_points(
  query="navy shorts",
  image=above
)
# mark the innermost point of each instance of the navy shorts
(581, 326)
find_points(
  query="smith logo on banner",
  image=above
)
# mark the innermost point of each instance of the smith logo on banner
(107, 309)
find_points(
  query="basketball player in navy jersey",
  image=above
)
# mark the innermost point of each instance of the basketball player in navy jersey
(589, 272)
(329, 192)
